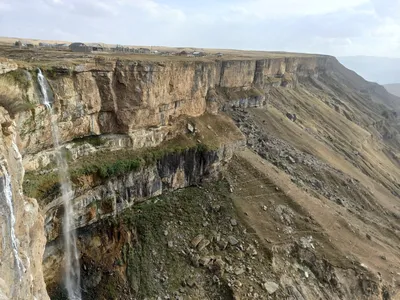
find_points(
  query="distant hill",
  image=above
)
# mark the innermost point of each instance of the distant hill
(393, 88)
(12, 40)
(383, 70)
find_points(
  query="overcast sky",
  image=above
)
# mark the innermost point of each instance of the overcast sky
(337, 27)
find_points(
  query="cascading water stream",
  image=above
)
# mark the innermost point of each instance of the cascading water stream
(72, 267)
(44, 88)
(8, 196)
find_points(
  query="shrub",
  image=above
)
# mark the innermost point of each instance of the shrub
(118, 168)
(42, 186)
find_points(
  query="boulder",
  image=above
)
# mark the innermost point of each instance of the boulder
(271, 287)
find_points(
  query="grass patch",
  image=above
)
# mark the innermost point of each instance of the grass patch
(54, 72)
(108, 169)
(105, 165)
(41, 186)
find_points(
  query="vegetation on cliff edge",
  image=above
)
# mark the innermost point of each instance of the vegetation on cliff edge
(104, 165)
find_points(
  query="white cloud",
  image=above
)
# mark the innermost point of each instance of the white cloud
(387, 8)
(91, 8)
(160, 12)
(338, 27)
(105, 7)
(5, 6)
(272, 9)
(389, 28)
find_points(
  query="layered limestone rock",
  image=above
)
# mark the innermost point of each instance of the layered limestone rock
(173, 171)
(127, 97)
(143, 100)
(21, 223)
(122, 177)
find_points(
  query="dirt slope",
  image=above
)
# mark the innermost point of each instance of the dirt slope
(335, 161)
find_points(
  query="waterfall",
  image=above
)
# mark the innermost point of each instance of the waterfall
(8, 196)
(44, 88)
(72, 267)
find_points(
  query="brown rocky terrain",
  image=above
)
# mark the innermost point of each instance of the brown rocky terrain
(252, 176)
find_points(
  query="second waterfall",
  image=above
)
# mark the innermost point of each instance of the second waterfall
(72, 267)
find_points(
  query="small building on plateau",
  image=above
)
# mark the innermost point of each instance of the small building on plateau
(144, 50)
(182, 53)
(79, 47)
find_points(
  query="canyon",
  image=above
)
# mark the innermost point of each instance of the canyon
(268, 176)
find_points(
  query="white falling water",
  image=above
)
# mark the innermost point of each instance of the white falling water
(8, 196)
(72, 267)
(44, 88)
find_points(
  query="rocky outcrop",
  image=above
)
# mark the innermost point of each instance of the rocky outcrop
(110, 197)
(7, 65)
(126, 97)
(21, 225)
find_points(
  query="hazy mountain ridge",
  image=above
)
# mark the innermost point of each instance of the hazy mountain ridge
(383, 70)
(393, 88)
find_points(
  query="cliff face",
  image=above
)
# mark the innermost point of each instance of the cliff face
(112, 197)
(118, 119)
(126, 97)
(21, 225)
